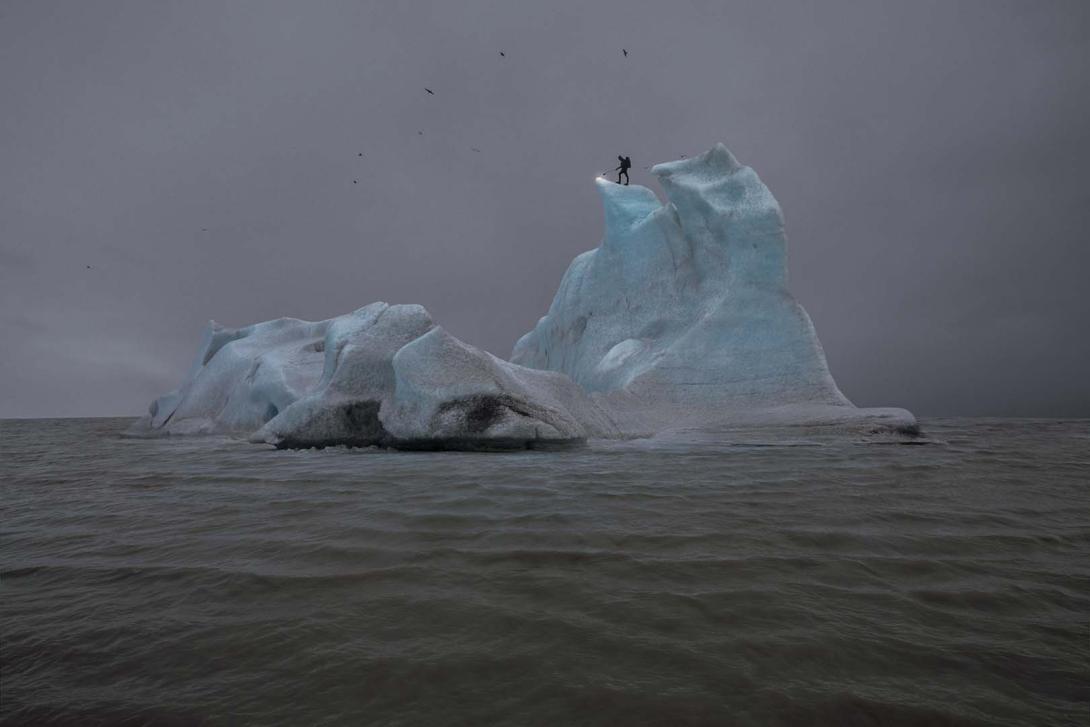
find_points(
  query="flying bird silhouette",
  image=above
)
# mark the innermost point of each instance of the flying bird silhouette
(502, 54)
(430, 91)
(625, 52)
(355, 181)
(360, 154)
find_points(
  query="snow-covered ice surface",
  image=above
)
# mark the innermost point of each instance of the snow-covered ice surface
(678, 326)
(681, 318)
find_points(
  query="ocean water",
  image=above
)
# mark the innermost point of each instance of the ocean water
(778, 579)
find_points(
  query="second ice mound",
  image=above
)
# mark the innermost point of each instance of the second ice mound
(383, 375)
(682, 317)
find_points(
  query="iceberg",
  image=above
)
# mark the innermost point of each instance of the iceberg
(679, 321)
(682, 318)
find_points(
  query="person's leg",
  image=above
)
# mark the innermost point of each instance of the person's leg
(619, 173)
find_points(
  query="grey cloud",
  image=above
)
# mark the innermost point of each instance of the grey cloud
(930, 158)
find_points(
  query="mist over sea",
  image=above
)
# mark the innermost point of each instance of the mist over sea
(784, 578)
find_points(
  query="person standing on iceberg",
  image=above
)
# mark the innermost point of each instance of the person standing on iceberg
(626, 163)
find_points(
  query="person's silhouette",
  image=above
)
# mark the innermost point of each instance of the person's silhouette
(623, 169)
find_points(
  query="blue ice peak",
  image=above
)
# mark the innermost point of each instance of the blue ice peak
(625, 205)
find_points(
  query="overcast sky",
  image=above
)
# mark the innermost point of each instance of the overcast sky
(932, 159)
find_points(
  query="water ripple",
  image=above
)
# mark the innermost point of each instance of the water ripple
(756, 581)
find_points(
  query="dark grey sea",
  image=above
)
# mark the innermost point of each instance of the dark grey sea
(756, 579)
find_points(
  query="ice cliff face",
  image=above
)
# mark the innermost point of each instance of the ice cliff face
(383, 375)
(682, 316)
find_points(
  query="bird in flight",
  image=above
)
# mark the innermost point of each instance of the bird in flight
(360, 154)
(502, 54)
(430, 91)
(355, 181)
(625, 52)
(88, 267)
